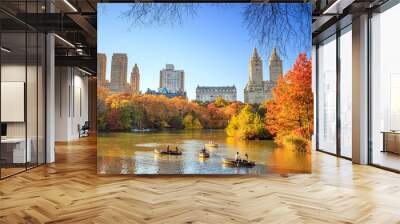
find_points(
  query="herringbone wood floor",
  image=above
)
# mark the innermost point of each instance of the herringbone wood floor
(70, 191)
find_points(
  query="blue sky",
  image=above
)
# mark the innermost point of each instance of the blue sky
(213, 47)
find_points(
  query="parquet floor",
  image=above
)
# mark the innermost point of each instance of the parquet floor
(70, 191)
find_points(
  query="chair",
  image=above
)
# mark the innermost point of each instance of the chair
(84, 130)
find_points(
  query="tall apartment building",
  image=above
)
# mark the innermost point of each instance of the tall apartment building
(258, 90)
(101, 69)
(171, 79)
(119, 67)
(135, 80)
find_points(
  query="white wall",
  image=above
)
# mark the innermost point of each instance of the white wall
(71, 103)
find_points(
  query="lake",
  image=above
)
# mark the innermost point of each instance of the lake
(133, 153)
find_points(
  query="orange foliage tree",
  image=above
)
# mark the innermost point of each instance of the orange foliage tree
(124, 111)
(290, 111)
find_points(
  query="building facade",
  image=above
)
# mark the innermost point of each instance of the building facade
(171, 79)
(101, 69)
(211, 93)
(119, 67)
(258, 90)
(135, 80)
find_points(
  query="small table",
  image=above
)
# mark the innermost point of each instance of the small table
(391, 141)
(13, 150)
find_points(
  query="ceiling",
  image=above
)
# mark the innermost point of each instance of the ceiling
(73, 21)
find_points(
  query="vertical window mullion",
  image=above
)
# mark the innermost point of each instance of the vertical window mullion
(0, 94)
(37, 90)
(338, 76)
(316, 97)
(26, 86)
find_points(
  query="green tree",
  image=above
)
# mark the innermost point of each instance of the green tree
(190, 122)
(220, 102)
(125, 118)
(176, 122)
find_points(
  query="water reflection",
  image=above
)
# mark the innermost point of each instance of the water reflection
(133, 153)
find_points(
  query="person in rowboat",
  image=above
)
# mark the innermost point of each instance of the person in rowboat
(167, 148)
(237, 157)
(247, 157)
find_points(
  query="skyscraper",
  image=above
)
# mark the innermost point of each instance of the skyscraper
(171, 79)
(255, 68)
(101, 69)
(119, 67)
(275, 66)
(135, 79)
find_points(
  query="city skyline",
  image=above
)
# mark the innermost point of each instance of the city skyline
(219, 58)
(172, 81)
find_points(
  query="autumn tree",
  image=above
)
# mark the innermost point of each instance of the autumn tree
(191, 122)
(290, 111)
(246, 125)
(123, 111)
(232, 109)
(217, 118)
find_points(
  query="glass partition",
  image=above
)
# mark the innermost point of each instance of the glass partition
(13, 114)
(41, 97)
(31, 97)
(385, 89)
(327, 95)
(346, 92)
(22, 77)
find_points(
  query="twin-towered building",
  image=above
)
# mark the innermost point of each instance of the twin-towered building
(257, 89)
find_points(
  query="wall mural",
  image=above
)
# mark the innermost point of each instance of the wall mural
(204, 88)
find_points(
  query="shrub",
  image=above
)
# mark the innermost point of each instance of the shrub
(247, 125)
(295, 142)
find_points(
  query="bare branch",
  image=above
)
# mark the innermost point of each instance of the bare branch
(284, 26)
(145, 14)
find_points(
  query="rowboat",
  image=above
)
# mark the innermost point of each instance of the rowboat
(168, 152)
(211, 145)
(204, 154)
(239, 163)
